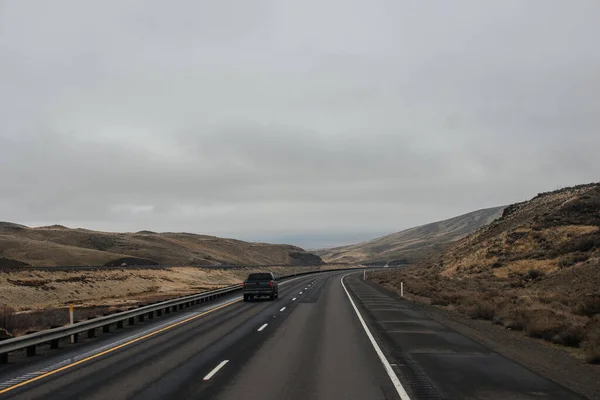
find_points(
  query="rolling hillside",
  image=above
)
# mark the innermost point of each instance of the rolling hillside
(60, 246)
(552, 231)
(536, 269)
(415, 244)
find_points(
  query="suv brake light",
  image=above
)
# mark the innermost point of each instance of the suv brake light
(271, 284)
(243, 285)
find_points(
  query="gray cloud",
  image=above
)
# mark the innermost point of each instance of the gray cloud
(316, 122)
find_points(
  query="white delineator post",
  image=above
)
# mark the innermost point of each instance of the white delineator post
(401, 289)
(364, 274)
(71, 321)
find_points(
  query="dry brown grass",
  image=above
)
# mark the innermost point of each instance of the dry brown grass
(40, 289)
(537, 304)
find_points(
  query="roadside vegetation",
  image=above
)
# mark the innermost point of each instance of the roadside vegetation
(535, 270)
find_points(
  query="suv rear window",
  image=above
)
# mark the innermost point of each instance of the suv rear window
(260, 277)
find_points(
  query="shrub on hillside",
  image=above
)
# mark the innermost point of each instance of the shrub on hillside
(543, 324)
(589, 306)
(480, 310)
(439, 301)
(579, 244)
(572, 259)
(547, 325)
(533, 274)
(514, 324)
(592, 348)
(570, 336)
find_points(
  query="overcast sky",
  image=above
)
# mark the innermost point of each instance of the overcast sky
(313, 122)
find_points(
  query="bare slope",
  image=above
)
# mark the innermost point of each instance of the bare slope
(536, 269)
(60, 246)
(413, 244)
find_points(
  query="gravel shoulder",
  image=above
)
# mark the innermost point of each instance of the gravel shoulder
(536, 355)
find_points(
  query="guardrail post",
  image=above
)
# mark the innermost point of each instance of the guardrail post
(4, 358)
(72, 339)
(141, 318)
(75, 337)
(158, 313)
(31, 351)
(91, 333)
(54, 344)
(132, 321)
(120, 324)
(106, 329)
(168, 310)
(151, 315)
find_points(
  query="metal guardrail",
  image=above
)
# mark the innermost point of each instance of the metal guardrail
(53, 336)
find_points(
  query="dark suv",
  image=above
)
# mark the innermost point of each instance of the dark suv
(260, 284)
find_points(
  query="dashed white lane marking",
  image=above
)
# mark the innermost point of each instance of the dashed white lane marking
(305, 288)
(23, 378)
(282, 309)
(300, 292)
(262, 327)
(386, 364)
(214, 371)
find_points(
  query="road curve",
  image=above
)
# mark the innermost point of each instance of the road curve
(308, 344)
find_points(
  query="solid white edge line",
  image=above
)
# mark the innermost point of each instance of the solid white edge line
(386, 364)
(282, 309)
(262, 327)
(214, 371)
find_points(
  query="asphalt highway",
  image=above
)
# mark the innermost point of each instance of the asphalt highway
(324, 338)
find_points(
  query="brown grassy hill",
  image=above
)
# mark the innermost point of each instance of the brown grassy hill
(415, 244)
(551, 232)
(536, 269)
(61, 246)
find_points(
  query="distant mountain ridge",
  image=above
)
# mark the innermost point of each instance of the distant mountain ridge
(414, 244)
(61, 246)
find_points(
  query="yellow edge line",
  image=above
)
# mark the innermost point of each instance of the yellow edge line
(114, 348)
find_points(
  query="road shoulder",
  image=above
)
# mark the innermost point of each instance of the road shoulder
(550, 362)
(435, 359)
